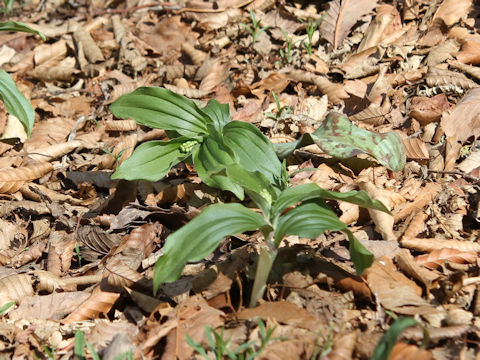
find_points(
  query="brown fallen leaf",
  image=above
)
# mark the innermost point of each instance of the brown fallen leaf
(341, 17)
(436, 258)
(428, 109)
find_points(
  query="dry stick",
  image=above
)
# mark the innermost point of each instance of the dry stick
(457, 172)
(213, 10)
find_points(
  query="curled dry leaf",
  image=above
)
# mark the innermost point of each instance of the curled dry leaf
(415, 149)
(407, 264)
(335, 92)
(393, 289)
(11, 180)
(383, 221)
(436, 258)
(119, 274)
(60, 252)
(84, 40)
(99, 302)
(340, 18)
(175, 193)
(143, 238)
(440, 77)
(422, 199)
(429, 244)
(191, 93)
(120, 125)
(15, 287)
(471, 70)
(426, 110)
(273, 82)
(467, 111)
(469, 54)
(416, 225)
(442, 52)
(451, 11)
(385, 23)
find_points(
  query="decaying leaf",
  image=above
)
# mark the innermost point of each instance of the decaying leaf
(341, 17)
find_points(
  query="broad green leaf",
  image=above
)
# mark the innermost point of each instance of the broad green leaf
(79, 348)
(254, 151)
(201, 236)
(339, 137)
(385, 345)
(312, 218)
(5, 307)
(309, 220)
(293, 195)
(15, 103)
(361, 257)
(218, 113)
(152, 160)
(163, 109)
(19, 26)
(210, 159)
(255, 184)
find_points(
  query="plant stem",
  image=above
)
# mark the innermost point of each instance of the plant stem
(268, 253)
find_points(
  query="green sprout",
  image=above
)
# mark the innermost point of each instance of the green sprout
(255, 30)
(286, 54)
(310, 27)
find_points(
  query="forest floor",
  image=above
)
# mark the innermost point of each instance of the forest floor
(78, 249)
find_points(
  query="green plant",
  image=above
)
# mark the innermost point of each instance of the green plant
(286, 54)
(221, 346)
(255, 30)
(79, 347)
(310, 27)
(236, 156)
(385, 345)
(15, 103)
(7, 6)
(5, 307)
(281, 110)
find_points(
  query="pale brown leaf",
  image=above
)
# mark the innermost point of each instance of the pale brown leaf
(99, 302)
(451, 11)
(436, 258)
(429, 244)
(341, 17)
(11, 180)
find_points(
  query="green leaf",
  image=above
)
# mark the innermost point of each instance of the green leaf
(5, 307)
(254, 151)
(163, 109)
(152, 160)
(256, 184)
(218, 113)
(361, 257)
(309, 220)
(210, 159)
(201, 236)
(79, 347)
(293, 195)
(339, 137)
(19, 26)
(385, 345)
(312, 218)
(15, 102)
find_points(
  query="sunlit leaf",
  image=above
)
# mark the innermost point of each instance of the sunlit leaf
(19, 26)
(292, 196)
(162, 109)
(385, 345)
(218, 113)
(339, 137)
(152, 160)
(15, 102)
(201, 236)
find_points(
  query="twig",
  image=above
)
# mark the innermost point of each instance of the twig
(213, 10)
(456, 172)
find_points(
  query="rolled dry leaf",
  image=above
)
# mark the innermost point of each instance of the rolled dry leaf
(11, 180)
(120, 125)
(473, 71)
(197, 56)
(46, 52)
(99, 302)
(440, 77)
(436, 258)
(84, 40)
(429, 244)
(129, 54)
(191, 93)
(415, 149)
